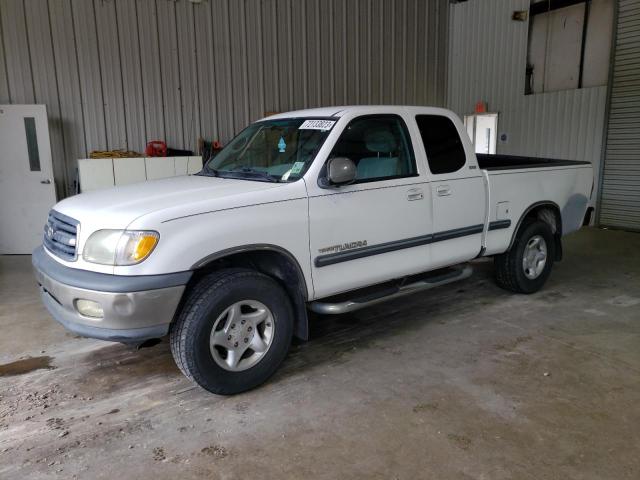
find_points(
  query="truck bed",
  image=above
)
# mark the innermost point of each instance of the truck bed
(513, 162)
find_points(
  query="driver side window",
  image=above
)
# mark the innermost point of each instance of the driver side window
(379, 145)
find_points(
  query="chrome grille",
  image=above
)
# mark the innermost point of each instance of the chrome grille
(61, 235)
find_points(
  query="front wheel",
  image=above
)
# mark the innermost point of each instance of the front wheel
(526, 267)
(233, 332)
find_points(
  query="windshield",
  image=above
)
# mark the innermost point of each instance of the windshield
(272, 150)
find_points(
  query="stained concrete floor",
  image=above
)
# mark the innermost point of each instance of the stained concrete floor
(466, 381)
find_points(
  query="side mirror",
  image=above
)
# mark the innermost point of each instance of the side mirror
(341, 171)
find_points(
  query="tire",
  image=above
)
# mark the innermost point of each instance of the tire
(510, 271)
(216, 300)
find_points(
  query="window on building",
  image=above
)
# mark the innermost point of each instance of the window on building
(569, 44)
(442, 143)
(379, 146)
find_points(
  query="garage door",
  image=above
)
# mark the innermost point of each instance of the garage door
(620, 200)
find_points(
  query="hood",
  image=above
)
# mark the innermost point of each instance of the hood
(118, 207)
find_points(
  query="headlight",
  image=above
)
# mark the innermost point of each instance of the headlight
(119, 247)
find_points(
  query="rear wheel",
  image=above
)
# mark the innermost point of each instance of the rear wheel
(526, 267)
(233, 332)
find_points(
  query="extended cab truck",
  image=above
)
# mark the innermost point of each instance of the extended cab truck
(329, 209)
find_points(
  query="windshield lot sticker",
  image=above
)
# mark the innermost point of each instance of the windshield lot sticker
(282, 146)
(317, 125)
(297, 168)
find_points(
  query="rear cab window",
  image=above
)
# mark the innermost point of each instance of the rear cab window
(442, 144)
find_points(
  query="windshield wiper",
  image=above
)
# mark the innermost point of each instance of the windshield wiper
(207, 171)
(255, 173)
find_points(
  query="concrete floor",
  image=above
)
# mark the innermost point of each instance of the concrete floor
(467, 381)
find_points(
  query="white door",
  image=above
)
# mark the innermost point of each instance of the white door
(483, 131)
(379, 227)
(486, 133)
(27, 191)
(457, 189)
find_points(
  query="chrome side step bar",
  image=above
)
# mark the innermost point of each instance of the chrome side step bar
(334, 308)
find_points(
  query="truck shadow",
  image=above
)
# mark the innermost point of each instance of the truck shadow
(333, 338)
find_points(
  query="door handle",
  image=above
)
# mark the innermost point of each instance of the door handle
(46, 182)
(443, 190)
(415, 194)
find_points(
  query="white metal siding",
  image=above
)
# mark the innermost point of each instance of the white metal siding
(118, 73)
(620, 204)
(487, 60)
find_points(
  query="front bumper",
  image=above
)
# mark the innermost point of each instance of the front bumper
(136, 308)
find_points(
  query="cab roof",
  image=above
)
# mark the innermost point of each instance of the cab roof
(339, 111)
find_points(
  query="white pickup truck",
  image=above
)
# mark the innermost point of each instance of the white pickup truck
(329, 209)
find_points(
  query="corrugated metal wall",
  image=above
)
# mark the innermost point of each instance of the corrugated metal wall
(620, 202)
(487, 60)
(117, 73)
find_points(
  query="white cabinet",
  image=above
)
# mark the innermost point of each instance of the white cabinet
(127, 170)
(98, 173)
(95, 173)
(160, 167)
(194, 165)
